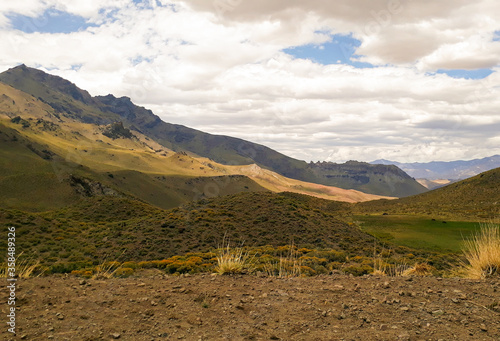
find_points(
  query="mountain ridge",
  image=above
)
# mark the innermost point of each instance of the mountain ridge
(81, 159)
(67, 99)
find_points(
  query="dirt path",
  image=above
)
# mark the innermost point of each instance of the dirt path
(205, 307)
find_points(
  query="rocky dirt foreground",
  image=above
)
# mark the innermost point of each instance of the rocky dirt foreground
(207, 307)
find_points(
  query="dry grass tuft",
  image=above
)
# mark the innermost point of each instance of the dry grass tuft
(482, 252)
(419, 269)
(26, 268)
(231, 260)
(288, 266)
(382, 268)
(106, 270)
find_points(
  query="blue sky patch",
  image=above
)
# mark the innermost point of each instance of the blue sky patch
(496, 36)
(467, 74)
(51, 21)
(340, 50)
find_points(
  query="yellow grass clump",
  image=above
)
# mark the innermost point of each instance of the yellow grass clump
(231, 260)
(25, 268)
(482, 252)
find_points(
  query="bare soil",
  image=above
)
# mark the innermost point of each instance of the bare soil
(153, 306)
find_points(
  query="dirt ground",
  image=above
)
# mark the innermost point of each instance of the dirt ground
(153, 306)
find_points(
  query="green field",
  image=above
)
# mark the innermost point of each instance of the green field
(417, 232)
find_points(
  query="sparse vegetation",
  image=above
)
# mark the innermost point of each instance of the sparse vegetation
(288, 265)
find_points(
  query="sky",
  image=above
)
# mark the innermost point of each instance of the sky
(318, 80)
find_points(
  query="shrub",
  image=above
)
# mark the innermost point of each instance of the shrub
(358, 270)
(130, 265)
(124, 272)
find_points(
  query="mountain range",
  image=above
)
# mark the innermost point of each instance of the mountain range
(439, 170)
(96, 137)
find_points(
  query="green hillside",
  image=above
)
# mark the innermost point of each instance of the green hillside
(470, 199)
(69, 101)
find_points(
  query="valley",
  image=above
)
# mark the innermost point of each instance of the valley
(105, 196)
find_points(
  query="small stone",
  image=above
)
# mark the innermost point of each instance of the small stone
(83, 282)
(483, 327)
(384, 327)
(404, 337)
(438, 312)
(115, 335)
(405, 309)
(386, 285)
(60, 317)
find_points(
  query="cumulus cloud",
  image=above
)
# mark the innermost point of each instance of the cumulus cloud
(222, 69)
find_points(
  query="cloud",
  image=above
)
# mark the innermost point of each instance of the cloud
(225, 71)
(390, 31)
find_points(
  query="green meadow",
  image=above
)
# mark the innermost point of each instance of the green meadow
(418, 232)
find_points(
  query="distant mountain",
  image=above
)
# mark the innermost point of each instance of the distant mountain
(68, 101)
(454, 170)
(433, 184)
(476, 197)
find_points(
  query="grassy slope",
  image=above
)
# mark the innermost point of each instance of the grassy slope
(29, 182)
(72, 102)
(470, 199)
